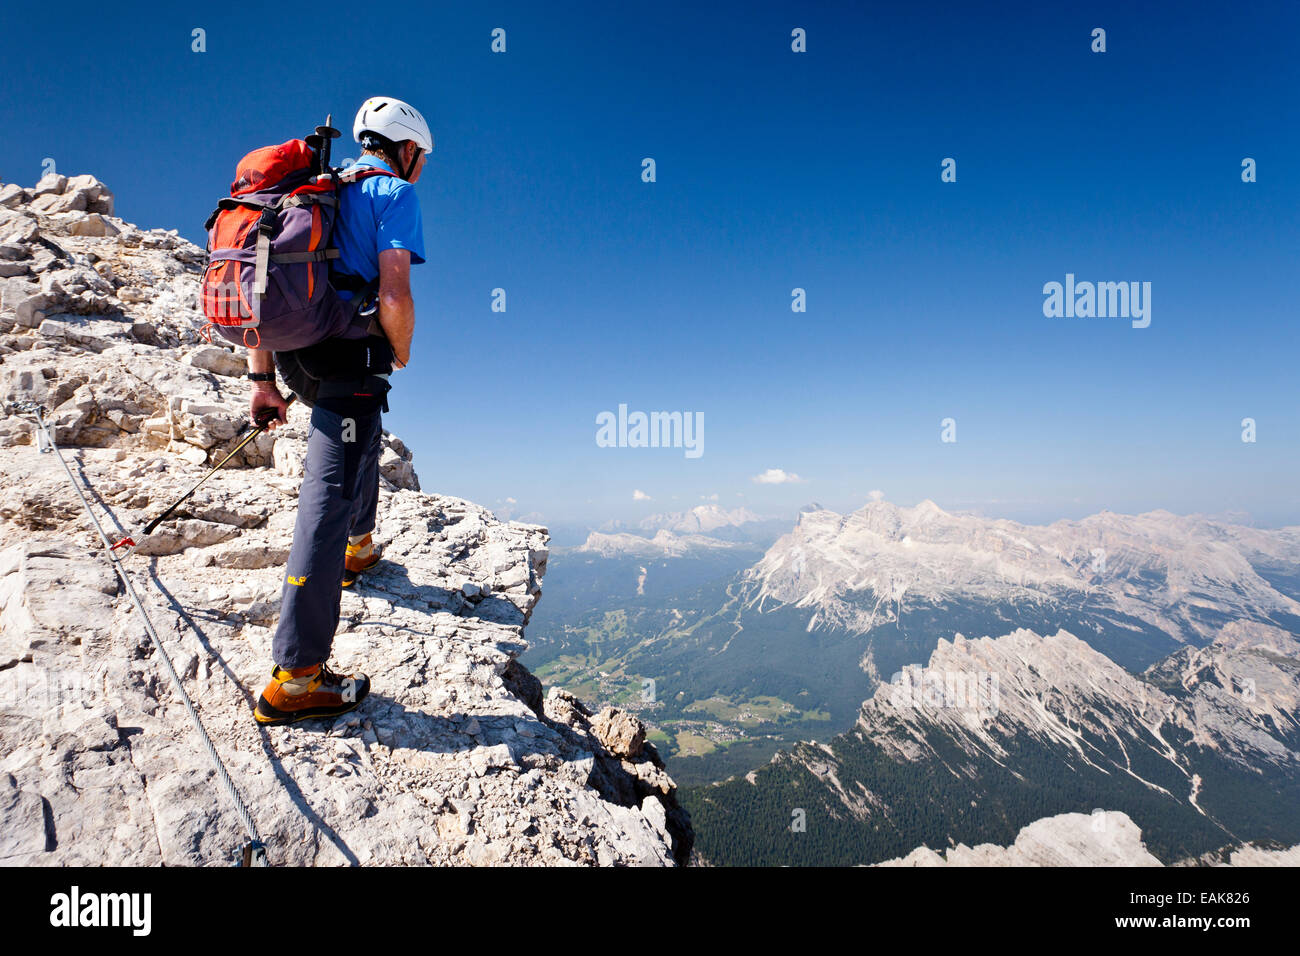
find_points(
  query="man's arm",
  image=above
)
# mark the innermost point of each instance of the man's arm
(396, 308)
(265, 394)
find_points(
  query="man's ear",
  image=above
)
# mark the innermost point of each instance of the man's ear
(409, 152)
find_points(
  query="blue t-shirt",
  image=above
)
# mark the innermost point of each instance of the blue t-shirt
(380, 212)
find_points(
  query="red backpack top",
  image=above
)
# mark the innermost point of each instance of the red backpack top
(267, 281)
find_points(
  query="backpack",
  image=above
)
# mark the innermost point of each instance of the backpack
(267, 283)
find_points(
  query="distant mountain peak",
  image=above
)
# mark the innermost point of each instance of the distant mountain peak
(664, 544)
(699, 520)
(860, 569)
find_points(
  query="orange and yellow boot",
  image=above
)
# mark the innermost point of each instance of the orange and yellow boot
(304, 692)
(362, 556)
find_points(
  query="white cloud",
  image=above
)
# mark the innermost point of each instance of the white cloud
(776, 476)
(639, 495)
(712, 497)
(876, 495)
(511, 501)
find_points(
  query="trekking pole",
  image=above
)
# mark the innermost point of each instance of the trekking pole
(320, 141)
(327, 133)
(265, 417)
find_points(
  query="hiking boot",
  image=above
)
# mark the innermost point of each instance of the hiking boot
(309, 692)
(362, 556)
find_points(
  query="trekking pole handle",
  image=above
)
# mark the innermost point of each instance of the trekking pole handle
(265, 416)
(148, 529)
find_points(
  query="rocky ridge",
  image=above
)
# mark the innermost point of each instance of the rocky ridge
(456, 758)
(1182, 575)
(1201, 751)
(1239, 697)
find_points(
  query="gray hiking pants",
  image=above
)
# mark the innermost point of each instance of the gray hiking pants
(339, 495)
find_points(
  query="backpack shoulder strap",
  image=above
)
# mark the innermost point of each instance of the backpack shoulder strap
(355, 174)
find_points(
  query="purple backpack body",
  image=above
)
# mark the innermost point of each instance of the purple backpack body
(267, 281)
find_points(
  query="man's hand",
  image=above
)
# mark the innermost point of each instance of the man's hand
(267, 403)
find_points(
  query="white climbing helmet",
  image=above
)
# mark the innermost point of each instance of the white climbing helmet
(393, 120)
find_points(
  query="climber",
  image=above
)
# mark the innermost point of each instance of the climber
(379, 235)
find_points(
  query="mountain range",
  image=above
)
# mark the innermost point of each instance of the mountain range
(1201, 751)
(1158, 578)
(750, 649)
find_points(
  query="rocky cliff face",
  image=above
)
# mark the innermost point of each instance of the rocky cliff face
(457, 757)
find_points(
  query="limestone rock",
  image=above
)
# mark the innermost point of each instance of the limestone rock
(50, 594)
(24, 832)
(12, 196)
(51, 184)
(66, 202)
(397, 469)
(563, 707)
(218, 360)
(622, 733)
(1070, 839)
(91, 187)
(92, 224)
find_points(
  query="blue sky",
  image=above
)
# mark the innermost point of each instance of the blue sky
(775, 170)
